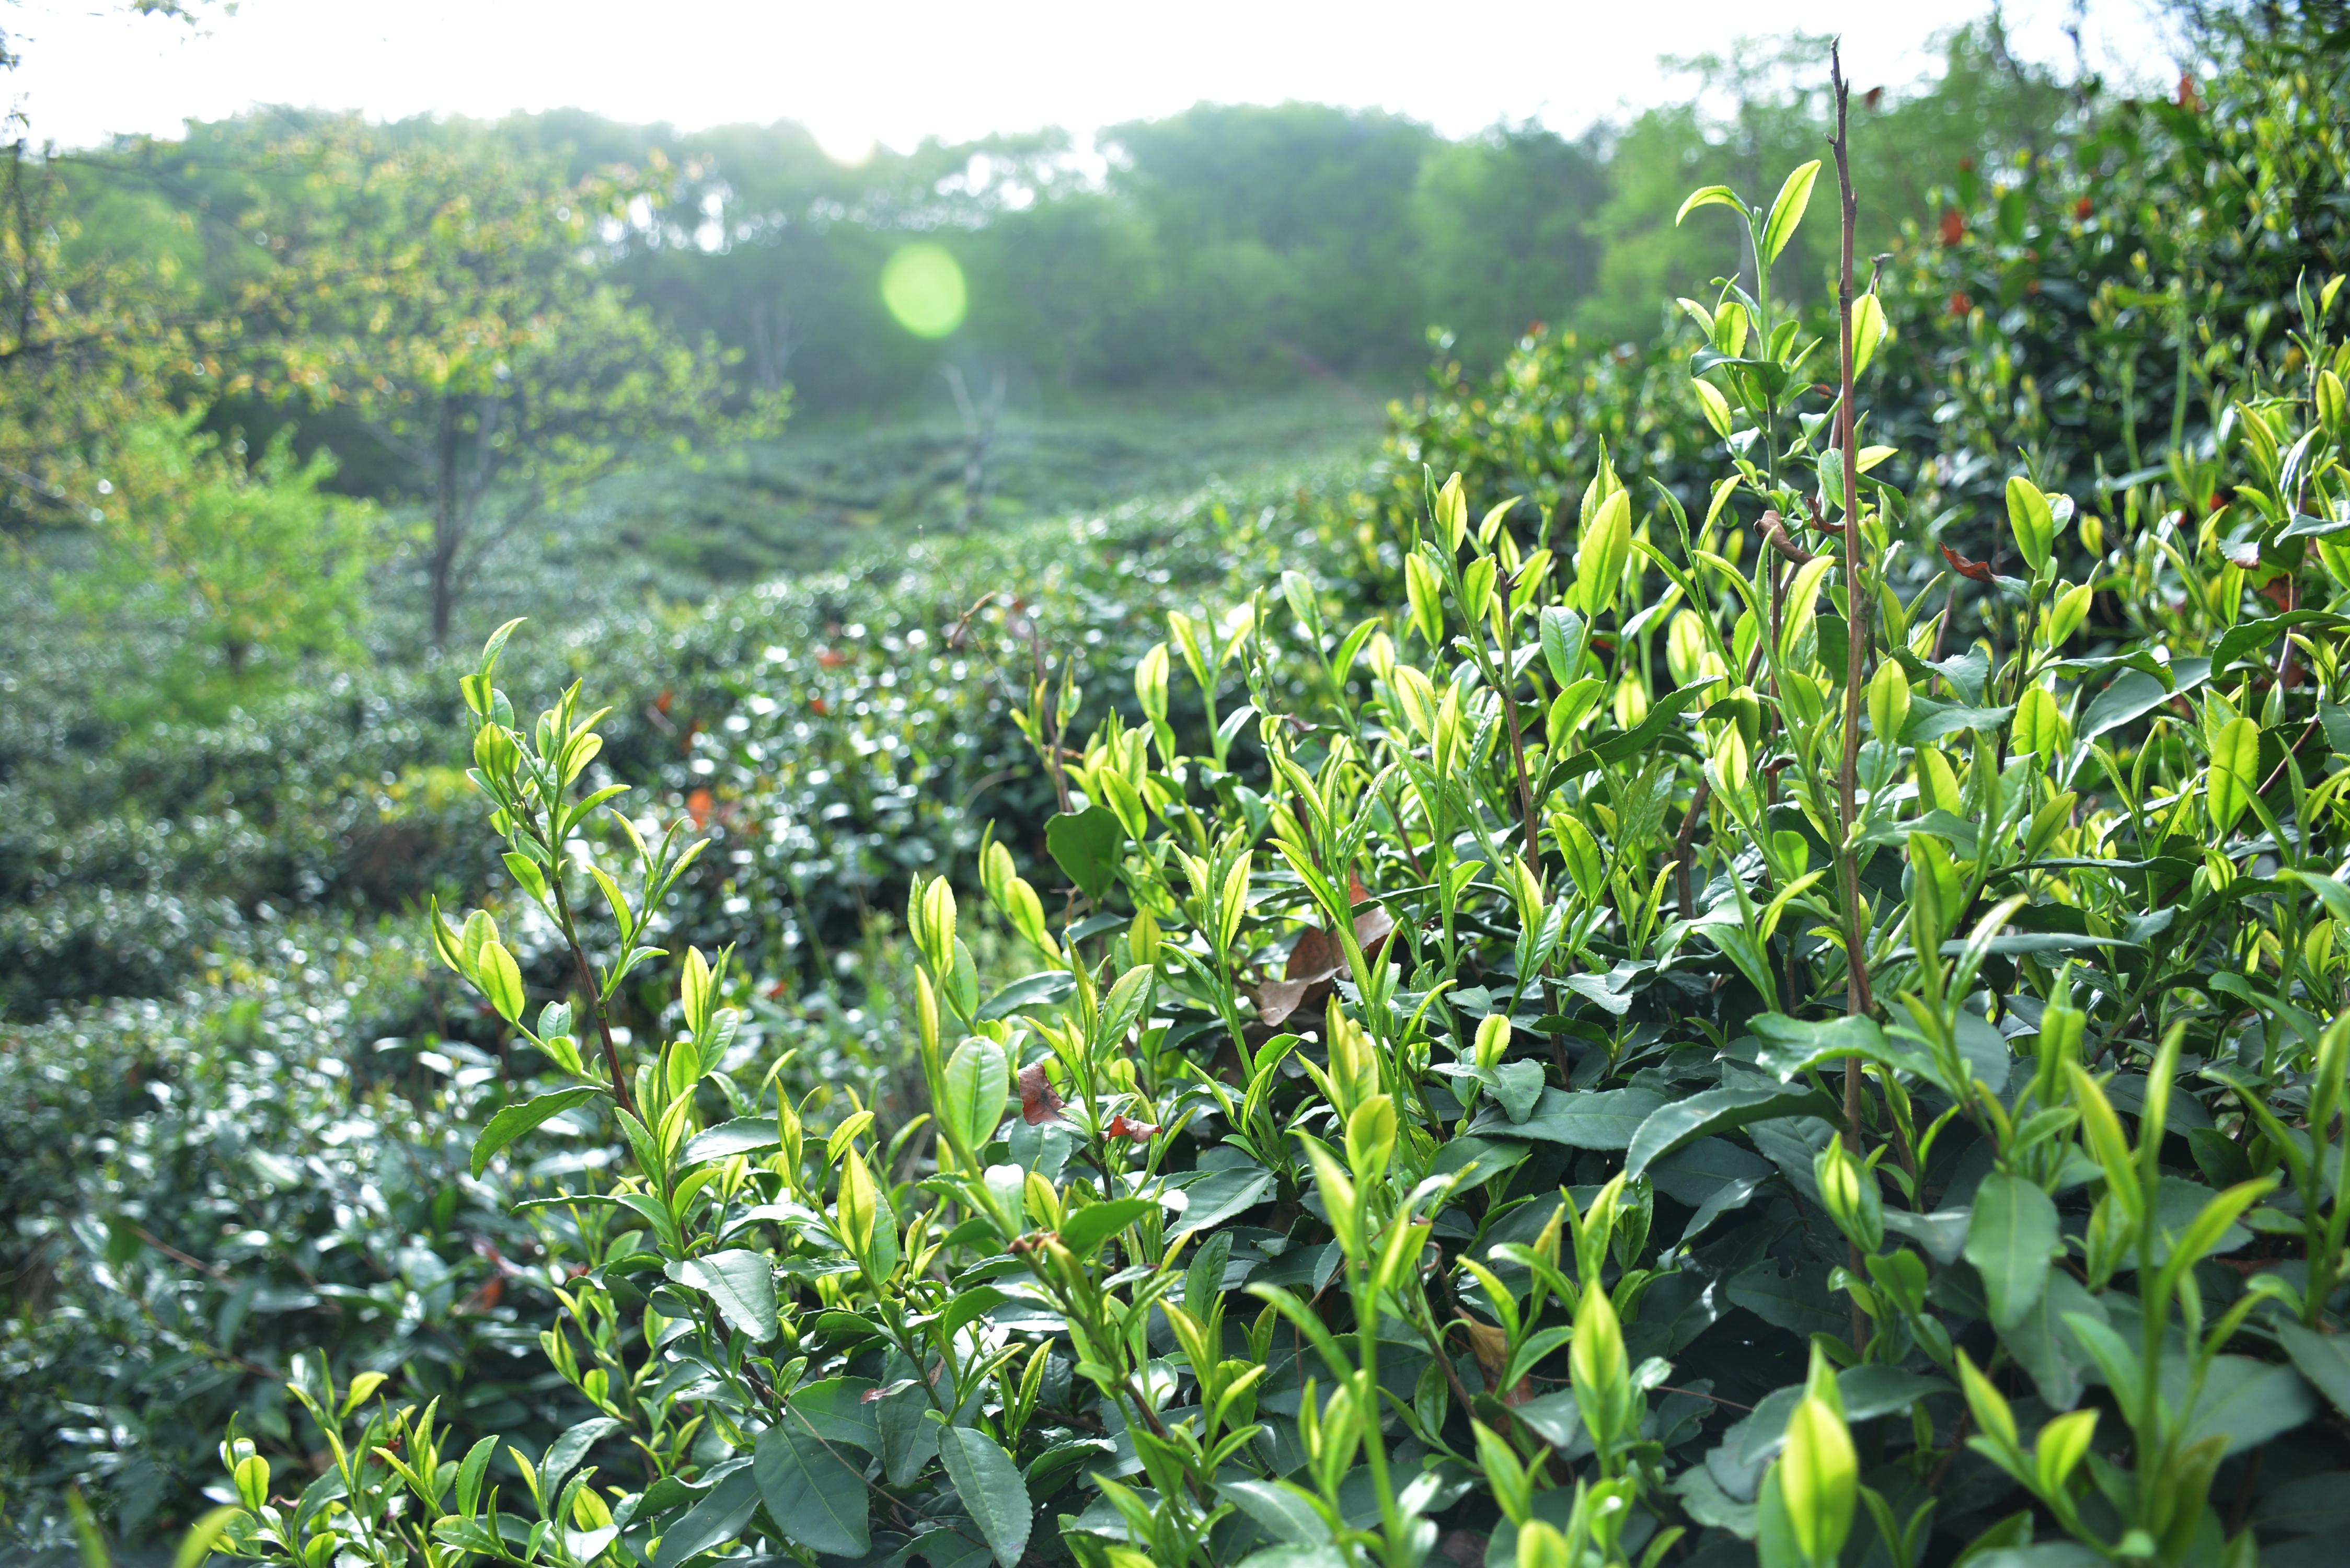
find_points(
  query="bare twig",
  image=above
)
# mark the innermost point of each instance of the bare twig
(1857, 1000)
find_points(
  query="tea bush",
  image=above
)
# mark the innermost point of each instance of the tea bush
(1655, 1044)
(823, 734)
(2090, 306)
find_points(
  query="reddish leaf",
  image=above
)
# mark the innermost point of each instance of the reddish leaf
(1317, 961)
(1776, 535)
(1954, 227)
(1038, 1101)
(1277, 999)
(1316, 956)
(1140, 1132)
(698, 806)
(1977, 570)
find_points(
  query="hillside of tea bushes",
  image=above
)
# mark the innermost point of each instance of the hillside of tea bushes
(1622, 987)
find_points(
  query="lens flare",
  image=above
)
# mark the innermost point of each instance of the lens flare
(923, 288)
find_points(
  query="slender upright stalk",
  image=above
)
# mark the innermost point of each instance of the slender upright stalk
(1857, 997)
(1529, 823)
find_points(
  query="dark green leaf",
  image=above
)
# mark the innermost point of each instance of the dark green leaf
(1930, 720)
(1606, 1120)
(2136, 693)
(991, 1488)
(1086, 846)
(1089, 1227)
(811, 1493)
(716, 1520)
(1715, 1111)
(2324, 1359)
(2246, 1401)
(1281, 1509)
(564, 1454)
(1792, 1045)
(1039, 989)
(2044, 1347)
(743, 1135)
(742, 1284)
(2010, 1240)
(1222, 1196)
(2308, 1506)
(838, 1412)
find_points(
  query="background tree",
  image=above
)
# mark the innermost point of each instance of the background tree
(1504, 221)
(253, 557)
(453, 297)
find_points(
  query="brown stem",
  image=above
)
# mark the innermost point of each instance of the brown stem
(1958, 1443)
(1527, 827)
(1403, 836)
(1857, 1000)
(595, 998)
(2278, 772)
(1685, 846)
(1048, 718)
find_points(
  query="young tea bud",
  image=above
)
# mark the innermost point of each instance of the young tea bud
(1492, 1038)
(1452, 513)
(854, 1213)
(1889, 702)
(1371, 1140)
(1819, 1479)
(2034, 525)
(1602, 1375)
(1849, 1192)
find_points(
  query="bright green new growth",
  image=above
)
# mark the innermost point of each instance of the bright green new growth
(1446, 1073)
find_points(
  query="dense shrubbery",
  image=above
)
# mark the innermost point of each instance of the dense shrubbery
(2087, 308)
(826, 735)
(1301, 878)
(1683, 1035)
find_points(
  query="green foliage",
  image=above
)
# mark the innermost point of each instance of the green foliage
(1837, 1095)
(261, 568)
(1553, 1024)
(446, 298)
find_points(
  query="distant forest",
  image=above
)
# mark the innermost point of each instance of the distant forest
(1227, 246)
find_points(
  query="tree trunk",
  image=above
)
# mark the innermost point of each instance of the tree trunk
(448, 528)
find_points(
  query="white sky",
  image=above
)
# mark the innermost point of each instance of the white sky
(856, 71)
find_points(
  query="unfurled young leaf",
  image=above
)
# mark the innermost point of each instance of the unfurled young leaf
(1787, 211)
(1709, 196)
(2232, 780)
(519, 1118)
(2030, 520)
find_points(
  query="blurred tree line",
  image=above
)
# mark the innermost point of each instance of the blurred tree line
(1229, 243)
(472, 322)
(1245, 244)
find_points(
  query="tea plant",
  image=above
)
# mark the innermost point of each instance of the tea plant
(1654, 1046)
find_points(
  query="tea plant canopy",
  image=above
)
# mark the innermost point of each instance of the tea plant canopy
(1648, 1029)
